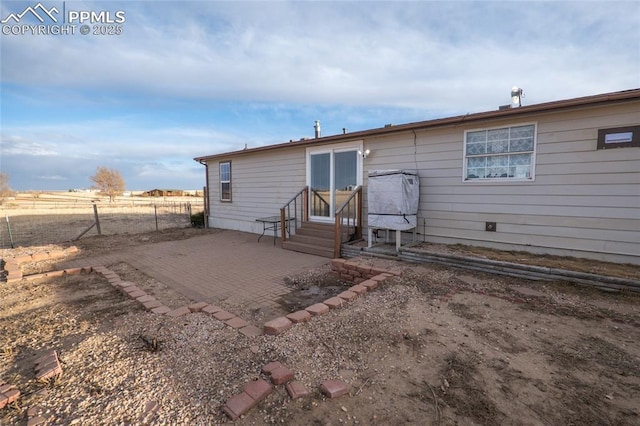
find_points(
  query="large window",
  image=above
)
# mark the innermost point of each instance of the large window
(504, 153)
(225, 181)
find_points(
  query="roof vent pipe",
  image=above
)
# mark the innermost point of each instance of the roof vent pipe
(516, 96)
(317, 127)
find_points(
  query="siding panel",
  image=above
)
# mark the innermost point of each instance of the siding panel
(624, 190)
(504, 202)
(548, 210)
(582, 198)
(261, 184)
(583, 201)
(525, 219)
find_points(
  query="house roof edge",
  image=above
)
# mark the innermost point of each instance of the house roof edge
(624, 95)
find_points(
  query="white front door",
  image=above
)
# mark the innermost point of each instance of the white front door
(332, 174)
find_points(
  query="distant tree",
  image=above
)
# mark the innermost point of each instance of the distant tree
(109, 182)
(5, 190)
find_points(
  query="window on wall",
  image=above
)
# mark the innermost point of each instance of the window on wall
(506, 153)
(225, 181)
(619, 137)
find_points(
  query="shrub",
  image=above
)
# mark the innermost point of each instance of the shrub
(197, 220)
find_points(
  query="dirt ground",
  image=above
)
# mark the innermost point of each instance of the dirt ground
(434, 346)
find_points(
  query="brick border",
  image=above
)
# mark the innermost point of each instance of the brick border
(8, 394)
(48, 366)
(356, 273)
(13, 266)
(151, 304)
(364, 277)
(255, 391)
(13, 269)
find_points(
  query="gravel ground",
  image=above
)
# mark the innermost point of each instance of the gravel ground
(433, 346)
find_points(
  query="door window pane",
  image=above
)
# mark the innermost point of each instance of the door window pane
(345, 176)
(320, 196)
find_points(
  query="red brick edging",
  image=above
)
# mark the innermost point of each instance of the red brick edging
(150, 303)
(8, 394)
(365, 277)
(48, 366)
(13, 266)
(257, 390)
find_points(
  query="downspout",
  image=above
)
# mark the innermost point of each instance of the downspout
(415, 160)
(207, 194)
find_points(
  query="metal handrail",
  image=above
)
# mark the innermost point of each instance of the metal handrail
(356, 218)
(285, 211)
(324, 204)
(352, 206)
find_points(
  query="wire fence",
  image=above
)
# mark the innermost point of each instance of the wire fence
(57, 223)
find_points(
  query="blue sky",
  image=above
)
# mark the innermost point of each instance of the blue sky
(188, 79)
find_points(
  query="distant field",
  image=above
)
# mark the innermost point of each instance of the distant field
(65, 198)
(54, 217)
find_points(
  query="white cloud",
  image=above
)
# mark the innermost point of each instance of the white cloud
(423, 54)
(169, 170)
(19, 145)
(54, 177)
(116, 138)
(188, 79)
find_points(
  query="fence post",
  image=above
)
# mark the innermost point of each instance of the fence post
(9, 229)
(95, 213)
(155, 211)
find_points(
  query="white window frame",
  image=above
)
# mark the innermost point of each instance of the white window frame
(227, 181)
(532, 165)
(335, 148)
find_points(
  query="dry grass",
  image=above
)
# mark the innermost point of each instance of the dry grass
(49, 218)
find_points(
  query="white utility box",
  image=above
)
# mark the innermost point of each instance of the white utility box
(392, 198)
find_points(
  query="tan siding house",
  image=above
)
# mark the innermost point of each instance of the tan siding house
(261, 184)
(560, 178)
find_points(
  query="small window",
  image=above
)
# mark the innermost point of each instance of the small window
(619, 137)
(225, 181)
(506, 153)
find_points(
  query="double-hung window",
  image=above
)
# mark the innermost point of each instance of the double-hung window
(506, 153)
(225, 181)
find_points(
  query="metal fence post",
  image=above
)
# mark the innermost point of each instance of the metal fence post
(155, 210)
